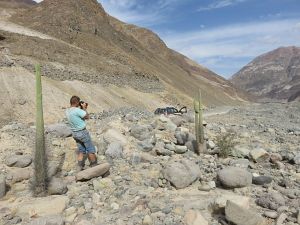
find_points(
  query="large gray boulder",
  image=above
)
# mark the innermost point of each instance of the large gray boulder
(141, 132)
(90, 173)
(20, 161)
(272, 200)
(59, 130)
(2, 186)
(146, 145)
(234, 177)
(241, 216)
(114, 150)
(181, 137)
(57, 187)
(181, 173)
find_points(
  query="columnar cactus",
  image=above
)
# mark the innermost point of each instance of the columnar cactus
(40, 166)
(199, 130)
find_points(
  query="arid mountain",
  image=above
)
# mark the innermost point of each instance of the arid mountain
(77, 41)
(275, 75)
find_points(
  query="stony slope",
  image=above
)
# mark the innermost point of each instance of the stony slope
(123, 53)
(275, 74)
(84, 51)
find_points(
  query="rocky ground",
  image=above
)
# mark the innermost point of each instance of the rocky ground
(154, 175)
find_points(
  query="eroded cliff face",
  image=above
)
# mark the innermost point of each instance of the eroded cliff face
(275, 74)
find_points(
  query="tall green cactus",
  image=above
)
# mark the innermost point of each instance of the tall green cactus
(199, 130)
(40, 166)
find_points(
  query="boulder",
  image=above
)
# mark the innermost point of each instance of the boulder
(20, 161)
(271, 214)
(170, 126)
(95, 171)
(146, 145)
(113, 135)
(147, 220)
(59, 130)
(137, 158)
(234, 177)
(210, 144)
(114, 150)
(181, 137)
(240, 151)
(242, 163)
(140, 132)
(57, 187)
(191, 145)
(48, 220)
(240, 216)
(170, 147)
(220, 201)
(40, 207)
(178, 120)
(2, 186)
(163, 152)
(180, 149)
(261, 180)
(181, 173)
(19, 174)
(193, 217)
(281, 219)
(272, 200)
(275, 157)
(259, 155)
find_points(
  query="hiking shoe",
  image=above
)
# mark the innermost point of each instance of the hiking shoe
(80, 166)
(94, 163)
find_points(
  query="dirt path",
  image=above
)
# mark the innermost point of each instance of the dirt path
(14, 28)
(218, 111)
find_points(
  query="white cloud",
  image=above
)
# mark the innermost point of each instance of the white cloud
(220, 4)
(246, 40)
(140, 12)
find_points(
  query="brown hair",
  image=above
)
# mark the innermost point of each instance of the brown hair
(74, 100)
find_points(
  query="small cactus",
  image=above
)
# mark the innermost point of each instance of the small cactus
(40, 166)
(199, 130)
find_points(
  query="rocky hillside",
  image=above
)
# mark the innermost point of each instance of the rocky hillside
(114, 49)
(275, 75)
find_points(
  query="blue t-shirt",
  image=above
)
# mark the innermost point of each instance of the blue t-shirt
(75, 117)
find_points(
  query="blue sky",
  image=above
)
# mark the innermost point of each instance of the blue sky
(223, 35)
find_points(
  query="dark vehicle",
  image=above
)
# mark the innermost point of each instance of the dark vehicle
(170, 110)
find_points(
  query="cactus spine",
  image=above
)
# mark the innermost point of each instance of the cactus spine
(40, 167)
(199, 130)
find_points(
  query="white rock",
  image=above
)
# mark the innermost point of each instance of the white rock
(113, 135)
(114, 206)
(259, 155)
(220, 201)
(147, 220)
(242, 216)
(193, 217)
(51, 205)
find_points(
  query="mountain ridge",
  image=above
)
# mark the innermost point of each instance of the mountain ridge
(275, 75)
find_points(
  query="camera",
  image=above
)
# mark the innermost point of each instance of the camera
(81, 103)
